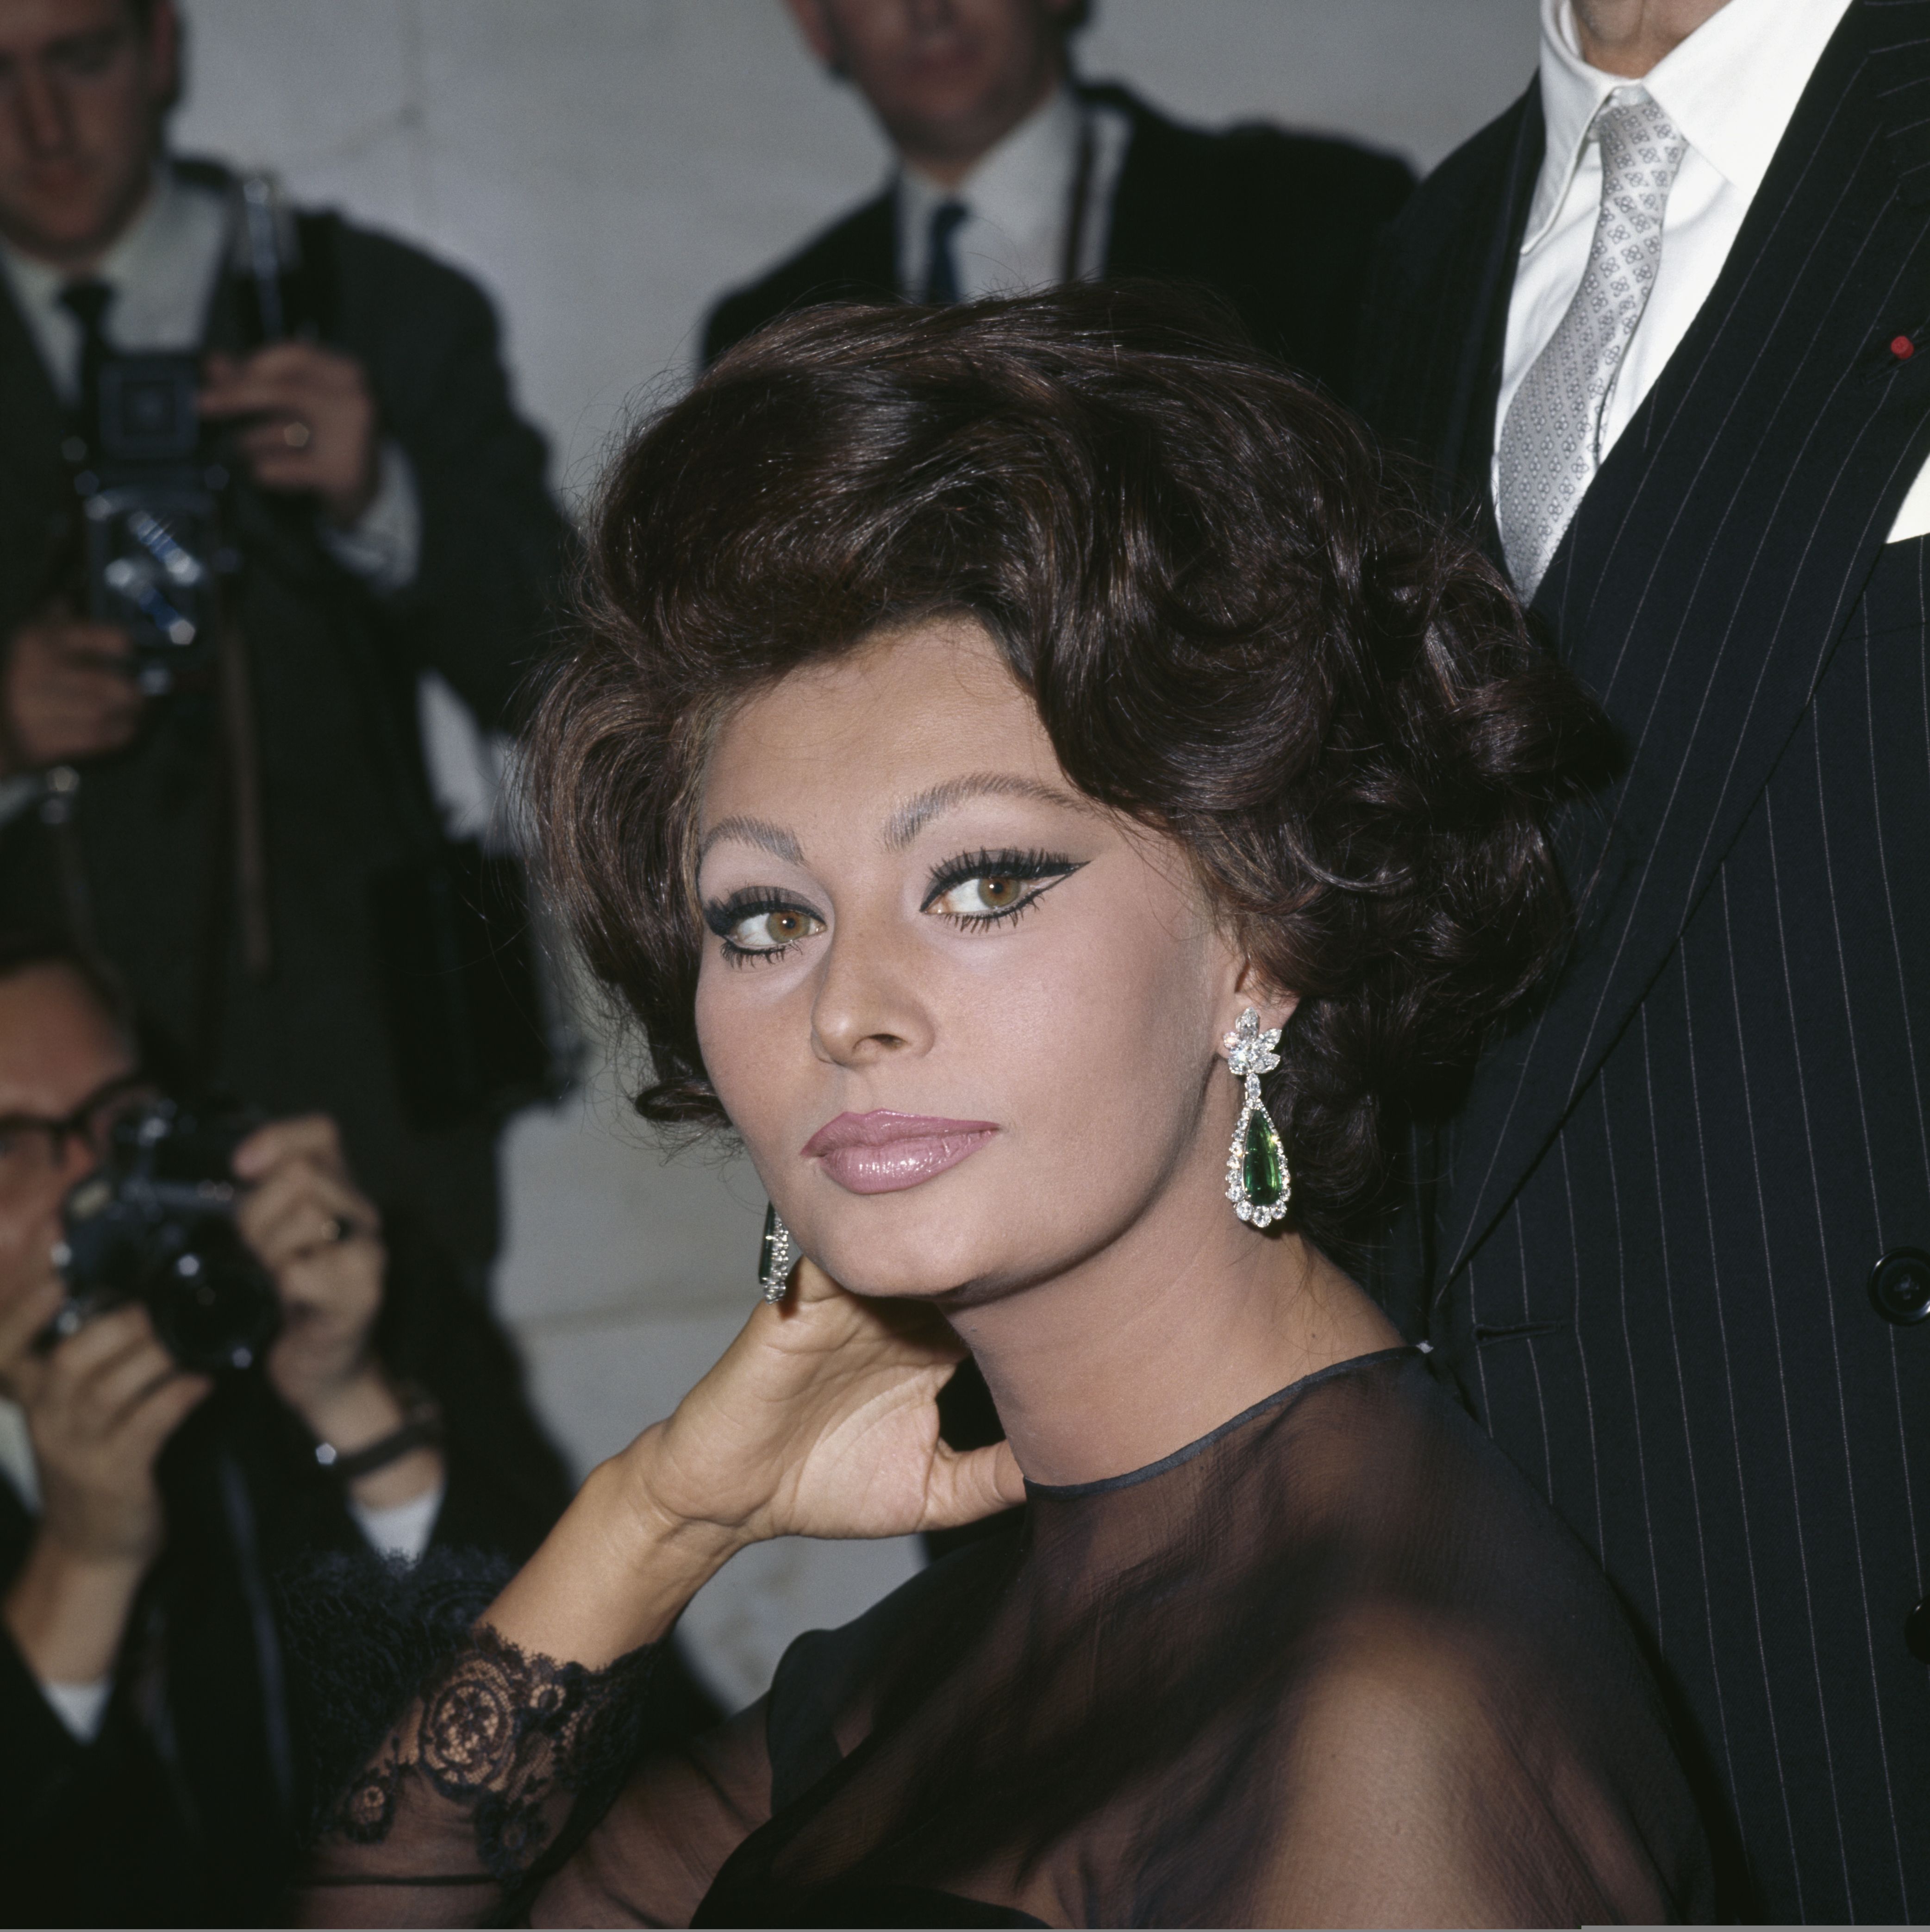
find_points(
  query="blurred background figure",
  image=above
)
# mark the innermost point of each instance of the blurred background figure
(229, 802)
(147, 1508)
(1011, 174)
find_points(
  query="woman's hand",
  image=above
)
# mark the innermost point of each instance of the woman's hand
(320, 1239)
(820, 1420)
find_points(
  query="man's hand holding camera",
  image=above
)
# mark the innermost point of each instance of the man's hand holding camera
(67, 693)
(305, 423)
(317, 426)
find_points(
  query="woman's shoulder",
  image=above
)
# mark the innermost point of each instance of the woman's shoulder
(823, 1698)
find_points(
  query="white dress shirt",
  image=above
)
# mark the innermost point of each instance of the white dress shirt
(402, 1531)
(1730, 89)
(1018, 200)
(163, 272)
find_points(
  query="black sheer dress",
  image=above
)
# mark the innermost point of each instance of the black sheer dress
(1335, 1663)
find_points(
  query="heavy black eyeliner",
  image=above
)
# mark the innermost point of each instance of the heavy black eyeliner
(1007, 865)
(746, 903)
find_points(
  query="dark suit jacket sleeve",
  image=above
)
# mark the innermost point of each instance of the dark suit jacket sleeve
(495, 548)
(42, 1757)
(88, 1832)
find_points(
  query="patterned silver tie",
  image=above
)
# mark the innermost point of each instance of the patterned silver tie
(1551, 441)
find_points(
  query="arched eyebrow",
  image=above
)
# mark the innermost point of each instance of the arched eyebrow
(915, 814)
(758, 831)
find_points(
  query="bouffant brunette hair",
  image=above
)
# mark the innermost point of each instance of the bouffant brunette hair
(1239, 624)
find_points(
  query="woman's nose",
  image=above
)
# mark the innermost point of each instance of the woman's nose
(868, 1004)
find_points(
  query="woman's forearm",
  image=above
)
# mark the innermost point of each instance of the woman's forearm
(615, 1573)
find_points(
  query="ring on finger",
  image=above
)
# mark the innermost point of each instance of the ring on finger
(341, 1229)
(296, 434)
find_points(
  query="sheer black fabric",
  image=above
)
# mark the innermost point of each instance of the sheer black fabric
(1334, 1663)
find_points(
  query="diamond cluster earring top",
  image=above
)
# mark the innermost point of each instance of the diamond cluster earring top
(1259, 1182)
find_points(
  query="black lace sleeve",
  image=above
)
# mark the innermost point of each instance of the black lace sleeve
(496, 1770)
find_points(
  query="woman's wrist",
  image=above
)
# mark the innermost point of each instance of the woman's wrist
(617, 1572)
(361, 1412)
(350, 1410)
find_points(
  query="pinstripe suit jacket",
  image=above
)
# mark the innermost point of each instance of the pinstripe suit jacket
(1644, 1244)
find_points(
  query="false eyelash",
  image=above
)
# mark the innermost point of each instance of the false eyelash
(1053, 867)
(746, 904)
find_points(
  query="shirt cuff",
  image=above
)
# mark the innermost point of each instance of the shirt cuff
(403, 1531)
(384, 547)
(82, 1707)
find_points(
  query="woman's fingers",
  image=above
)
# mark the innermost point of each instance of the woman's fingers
(977, 1483)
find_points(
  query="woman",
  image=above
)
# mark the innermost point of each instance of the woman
(997, 725)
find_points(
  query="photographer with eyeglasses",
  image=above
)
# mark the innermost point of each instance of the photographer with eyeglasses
(150, 1509)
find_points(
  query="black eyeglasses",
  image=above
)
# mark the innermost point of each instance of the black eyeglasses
(32, 1144)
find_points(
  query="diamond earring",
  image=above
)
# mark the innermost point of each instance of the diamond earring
(776, 1257)
(1258, 1183)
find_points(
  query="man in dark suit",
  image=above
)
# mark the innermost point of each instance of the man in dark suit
(223, 845)
(1664, 329)
(1010, 176)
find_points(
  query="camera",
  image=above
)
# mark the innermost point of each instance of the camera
(151, 504)
(154, 1223)
(152, 484)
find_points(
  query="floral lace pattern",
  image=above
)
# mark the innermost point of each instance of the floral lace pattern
(534, 1749)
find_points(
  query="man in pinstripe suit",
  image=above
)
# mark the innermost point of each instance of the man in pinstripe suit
(1665, 327)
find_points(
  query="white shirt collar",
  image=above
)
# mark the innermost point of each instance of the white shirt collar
(1729, 88)
(163, 271)
(1020, 187)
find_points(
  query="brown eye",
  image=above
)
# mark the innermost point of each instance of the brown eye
(772, 931)
(983, 895)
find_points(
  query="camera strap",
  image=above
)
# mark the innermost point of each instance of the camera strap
(249, 838)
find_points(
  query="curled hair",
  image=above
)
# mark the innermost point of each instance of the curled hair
(1239, 628)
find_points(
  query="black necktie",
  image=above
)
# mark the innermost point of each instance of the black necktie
(88, 301)
(942, 269)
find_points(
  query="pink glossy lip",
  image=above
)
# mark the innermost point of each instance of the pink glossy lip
(881, 1152)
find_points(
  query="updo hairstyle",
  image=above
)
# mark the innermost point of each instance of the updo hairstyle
(1239, 627)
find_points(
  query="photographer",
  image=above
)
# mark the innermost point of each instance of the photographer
(253, 848)
(156, 1763)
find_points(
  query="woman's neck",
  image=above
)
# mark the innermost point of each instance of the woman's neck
(1158, 1340)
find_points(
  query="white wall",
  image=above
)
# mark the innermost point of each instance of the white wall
(605, 167)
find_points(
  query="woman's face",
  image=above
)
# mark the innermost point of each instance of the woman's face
(966, 1021)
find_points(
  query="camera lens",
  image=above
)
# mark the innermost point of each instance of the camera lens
(211, 1305)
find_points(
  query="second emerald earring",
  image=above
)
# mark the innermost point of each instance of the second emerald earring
(777, 1255)
(1258, 1183)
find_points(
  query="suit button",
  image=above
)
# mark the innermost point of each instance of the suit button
(1900, 1286)
(1916, 1631)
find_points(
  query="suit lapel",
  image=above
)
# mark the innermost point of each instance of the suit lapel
(1704, 582)
(35, 499)
(1467, 432)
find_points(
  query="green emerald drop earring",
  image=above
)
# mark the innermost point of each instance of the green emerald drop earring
(776, 1257)
(1259, 1182)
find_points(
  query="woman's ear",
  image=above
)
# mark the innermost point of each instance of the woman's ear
(1253, 989)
